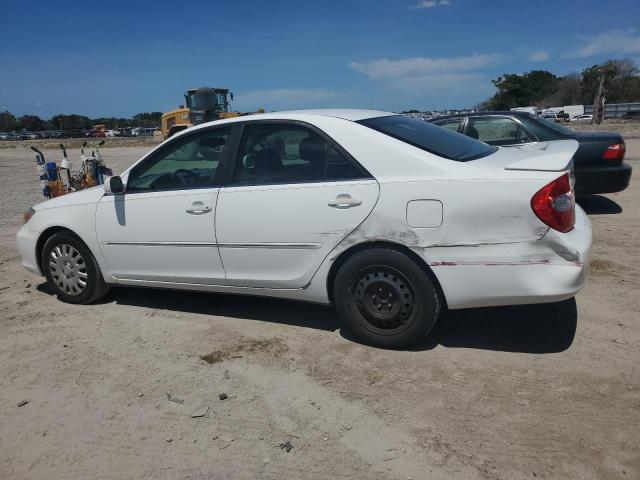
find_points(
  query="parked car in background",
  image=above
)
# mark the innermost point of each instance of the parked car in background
(583, 117)
(143, 131)
(96, 133)
(374, 212)
(27, 136)
(73, 133)
(598, 163)
(633, 114)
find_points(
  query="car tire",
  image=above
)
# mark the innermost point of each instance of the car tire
(71, 270)
(385, 298)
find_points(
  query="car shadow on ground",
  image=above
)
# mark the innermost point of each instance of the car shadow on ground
(543, 328)
(598, 205)
(546, 328)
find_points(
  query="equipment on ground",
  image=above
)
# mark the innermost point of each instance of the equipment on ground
(65, 165)
(58, 180)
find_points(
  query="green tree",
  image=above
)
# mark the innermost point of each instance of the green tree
(568, 92)
(522, 90)
(71, 122)
(621, 81)
(8, 122)
(32, 123)
(147, 119)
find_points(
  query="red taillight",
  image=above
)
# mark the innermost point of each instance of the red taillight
(555, 204)
(615, 152)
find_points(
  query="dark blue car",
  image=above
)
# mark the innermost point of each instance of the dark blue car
(598, 163)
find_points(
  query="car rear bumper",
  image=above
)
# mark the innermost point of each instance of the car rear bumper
(27, 240)
(551, 269)
(602, 179)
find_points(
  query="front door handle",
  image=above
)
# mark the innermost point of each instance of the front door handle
(343, 201)
(198, 208)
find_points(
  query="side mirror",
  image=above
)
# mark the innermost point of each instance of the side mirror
(113, 186)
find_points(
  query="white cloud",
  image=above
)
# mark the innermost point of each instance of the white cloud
(284, 98)
(417, 74)
(616, 42)
(383, 68)
(429, 4)
(539, 56)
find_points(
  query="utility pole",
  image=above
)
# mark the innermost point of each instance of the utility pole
(598, 102)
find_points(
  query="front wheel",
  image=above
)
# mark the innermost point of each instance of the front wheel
(71, 270)
(385, 298)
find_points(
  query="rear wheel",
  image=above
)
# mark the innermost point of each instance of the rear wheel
(385, 298)
(71, 270)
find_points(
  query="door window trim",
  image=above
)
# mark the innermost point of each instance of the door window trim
(228, 171)
(185, 138)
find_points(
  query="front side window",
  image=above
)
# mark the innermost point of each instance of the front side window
(188, 162)
(497, 131)
(289, 153)
(429, 137)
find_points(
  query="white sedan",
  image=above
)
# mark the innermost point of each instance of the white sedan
(387, 217)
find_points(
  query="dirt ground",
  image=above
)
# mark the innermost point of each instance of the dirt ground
(547, 392)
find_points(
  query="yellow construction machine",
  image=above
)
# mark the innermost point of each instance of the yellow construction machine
(202, 104)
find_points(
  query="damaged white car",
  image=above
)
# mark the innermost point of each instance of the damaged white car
(389, 218)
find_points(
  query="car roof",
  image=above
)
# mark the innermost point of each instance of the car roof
(353, 114)
(511, 113)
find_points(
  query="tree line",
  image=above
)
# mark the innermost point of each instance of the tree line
(33, 123)
(543, 89)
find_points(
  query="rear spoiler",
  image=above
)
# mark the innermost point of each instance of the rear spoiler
(556, 156)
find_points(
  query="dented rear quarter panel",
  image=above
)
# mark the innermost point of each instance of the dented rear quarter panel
(490, 247)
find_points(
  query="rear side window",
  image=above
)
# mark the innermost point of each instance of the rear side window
(282, 153)
(497, 131)
(433, 139)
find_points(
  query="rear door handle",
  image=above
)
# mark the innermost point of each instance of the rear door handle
(344, 200)
(198, 208)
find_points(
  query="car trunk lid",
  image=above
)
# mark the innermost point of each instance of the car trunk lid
(556, 156)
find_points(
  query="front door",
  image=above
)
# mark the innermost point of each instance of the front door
(294, 196)
(162, 229)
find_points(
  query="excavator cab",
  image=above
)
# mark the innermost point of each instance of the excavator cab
(202, 104)
(207, 104)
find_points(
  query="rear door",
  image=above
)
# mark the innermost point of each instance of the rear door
(292, 196)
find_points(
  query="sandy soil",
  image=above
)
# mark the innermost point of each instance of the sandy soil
(549, 391)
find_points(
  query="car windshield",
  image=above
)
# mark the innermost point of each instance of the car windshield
(437, 140)
(556, 127)
(208, 100)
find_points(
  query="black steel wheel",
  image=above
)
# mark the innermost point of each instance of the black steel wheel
(385, 298)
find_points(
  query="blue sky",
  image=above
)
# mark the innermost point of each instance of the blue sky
(119, 58)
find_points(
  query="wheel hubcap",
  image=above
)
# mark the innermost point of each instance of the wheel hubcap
(384, 297)
(68, 269)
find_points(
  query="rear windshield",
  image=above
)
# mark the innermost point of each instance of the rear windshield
(437, 140)
(556, 127)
